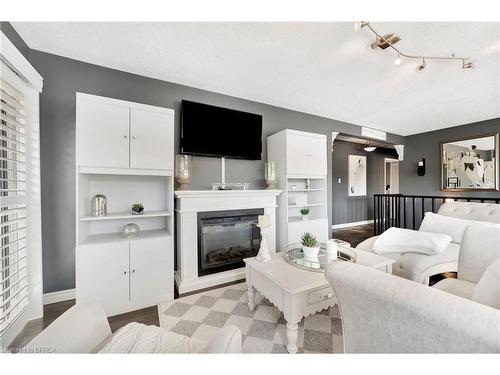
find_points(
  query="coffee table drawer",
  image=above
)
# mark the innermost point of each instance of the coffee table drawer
(320, 295)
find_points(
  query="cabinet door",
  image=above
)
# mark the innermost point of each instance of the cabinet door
(151, 271)
(315, 154)
(295, 231)
(102, 134)
(319, 227)
(102, 275)
(152, 139)
(297, 163)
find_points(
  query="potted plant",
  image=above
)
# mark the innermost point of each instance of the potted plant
(137, 209)
(304, 212)
(310, 245)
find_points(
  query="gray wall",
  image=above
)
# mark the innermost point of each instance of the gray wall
(353, 209)
(426, 145)
(64, 77)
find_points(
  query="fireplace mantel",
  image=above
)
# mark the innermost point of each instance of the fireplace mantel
(187, 205)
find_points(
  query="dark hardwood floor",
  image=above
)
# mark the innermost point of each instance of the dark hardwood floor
(354, 235)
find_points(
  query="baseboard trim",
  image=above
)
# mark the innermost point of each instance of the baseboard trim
(347, 225)
(59, 296)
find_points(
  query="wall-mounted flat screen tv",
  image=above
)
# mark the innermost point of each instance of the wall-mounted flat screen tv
(207, 130)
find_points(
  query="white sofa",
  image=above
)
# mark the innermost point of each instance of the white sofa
(382, 313)
(84, 328)
(419, 267)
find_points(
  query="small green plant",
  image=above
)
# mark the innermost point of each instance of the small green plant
(304, 211)
(309, 240)
(137, 209)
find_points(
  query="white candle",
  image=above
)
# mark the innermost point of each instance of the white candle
(263, 221)
(331, 249)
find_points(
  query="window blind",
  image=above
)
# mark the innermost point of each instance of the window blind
(13, 264)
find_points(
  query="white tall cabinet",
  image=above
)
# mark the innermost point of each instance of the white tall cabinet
(125, 151)
(301, 168)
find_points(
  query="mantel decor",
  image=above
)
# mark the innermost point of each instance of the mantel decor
(470, 164)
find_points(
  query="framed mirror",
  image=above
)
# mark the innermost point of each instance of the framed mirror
(470, 164)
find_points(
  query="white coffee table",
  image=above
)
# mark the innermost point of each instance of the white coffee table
(296, 292)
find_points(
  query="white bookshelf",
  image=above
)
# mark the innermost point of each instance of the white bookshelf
(300, 157)
(124, 150)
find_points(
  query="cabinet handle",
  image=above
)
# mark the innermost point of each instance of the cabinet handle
(125, 136)
(133, 137)
(124, 272)
(133, 271)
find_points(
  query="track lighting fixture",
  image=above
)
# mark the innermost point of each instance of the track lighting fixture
(421, 66)
(359, 25)
(467, 65)
(388, 41)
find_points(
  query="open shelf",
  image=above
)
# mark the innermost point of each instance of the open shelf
(298, 219)
(126, 215)
(116, 237)
(304, 190)
(305, 205)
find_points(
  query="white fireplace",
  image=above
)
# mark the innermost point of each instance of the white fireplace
(201, 215)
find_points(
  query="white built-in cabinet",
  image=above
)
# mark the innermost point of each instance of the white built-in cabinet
(306, 154)
(118, 134)
(300, 157)
(125, 151)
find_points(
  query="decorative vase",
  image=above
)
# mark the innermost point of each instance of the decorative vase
(308, 184)
(183, 171)
(305, 217)
(130, 230)
(310, 252)
(99, 205)
(137, 210)
(270, 175)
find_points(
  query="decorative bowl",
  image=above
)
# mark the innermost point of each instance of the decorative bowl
(130, 230)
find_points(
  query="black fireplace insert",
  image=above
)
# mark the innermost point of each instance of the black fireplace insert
(225, 238)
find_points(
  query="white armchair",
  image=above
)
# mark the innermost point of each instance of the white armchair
(480, 247)
(84, 328)
(382, 313)
(419, 267)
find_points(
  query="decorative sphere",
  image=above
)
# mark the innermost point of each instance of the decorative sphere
(130, 230)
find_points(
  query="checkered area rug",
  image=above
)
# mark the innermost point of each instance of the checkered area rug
(264, 329)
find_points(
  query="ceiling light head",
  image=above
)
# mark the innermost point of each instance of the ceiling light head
(398, 60)
(358, 25)
(386, 41)
(370, 148)
(421, 66)
(467, 65)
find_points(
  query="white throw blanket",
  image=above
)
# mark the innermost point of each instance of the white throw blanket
(140, 338)
(397, 240)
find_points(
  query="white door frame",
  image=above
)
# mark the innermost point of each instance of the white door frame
(387, 160)
(19, 73)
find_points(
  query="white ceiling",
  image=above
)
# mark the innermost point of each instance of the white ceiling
(326, 69)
